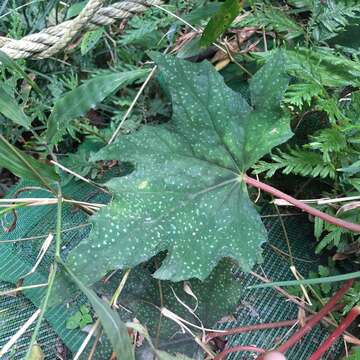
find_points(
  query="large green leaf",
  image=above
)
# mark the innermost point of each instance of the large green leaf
(186, 194)
(10, 109)
(80, 100)
(220, 21)
(25, 166)
(114, 328)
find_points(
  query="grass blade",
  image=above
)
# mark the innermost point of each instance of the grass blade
(11, 64)
(114, 328)
(323, 280)
(80, 100)
(220, 21)
(11, 109)
(25, 166)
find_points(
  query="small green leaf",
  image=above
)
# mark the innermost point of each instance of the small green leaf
(75, 9)
(25, 166)
(84, 309)
(85, 320)
(10, 109)
(80, 100)
(73, 322)
(114, 328)
(186, 194)
(220, 21)
(90, 39)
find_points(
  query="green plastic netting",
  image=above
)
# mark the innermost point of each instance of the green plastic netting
(255, 306)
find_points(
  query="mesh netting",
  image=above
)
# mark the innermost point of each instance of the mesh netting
(255, 306)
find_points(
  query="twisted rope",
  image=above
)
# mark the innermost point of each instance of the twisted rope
(55, 38)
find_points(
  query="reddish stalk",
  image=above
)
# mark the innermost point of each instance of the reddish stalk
(255, 327)
(310, 210)
(237, 349)
(351, 316)
(315, 319)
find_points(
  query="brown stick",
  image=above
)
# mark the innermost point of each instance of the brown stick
(236, 349)
(299, 204)
(244, 329)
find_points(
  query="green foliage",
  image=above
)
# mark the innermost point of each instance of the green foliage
(331, 17)
(114, 328)
(272, 19)
(80, 319)
(220, 21)
(186, 194)
(328, 141)
(302, 94)
(85, 97)
(185, 197)
(355, 354)
(24, 165)
(90, 39)
(298, 162)
(10, 109)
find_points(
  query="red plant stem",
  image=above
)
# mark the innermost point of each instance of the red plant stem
(236, 349)
(244, 329)
(351, 316)
(299, 204)
(316, 318)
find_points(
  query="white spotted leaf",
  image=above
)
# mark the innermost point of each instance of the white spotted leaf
(186, 195)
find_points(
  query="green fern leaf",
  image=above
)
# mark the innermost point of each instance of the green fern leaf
(302, 94)
(297, 162)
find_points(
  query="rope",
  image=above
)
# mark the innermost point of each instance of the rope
(55, 38)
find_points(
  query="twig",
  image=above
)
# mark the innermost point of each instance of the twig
(351, 316)
(249, 328)
(129, 110)
(65, 169)
(237, 349)
(39, 237)
(28, 287)
(87, 340)
(299, 204)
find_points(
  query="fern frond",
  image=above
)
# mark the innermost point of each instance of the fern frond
(273, 19)
(333, 238)
(297, 162)
(331, 17)
(330, 140)
(300, 94)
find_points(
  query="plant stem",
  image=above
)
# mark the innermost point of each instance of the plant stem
(256, 327)
(315, 319)
(42, 311)
(52, 274)
(58, 226)
(236, 349)
(299, 204)
(351, 316)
